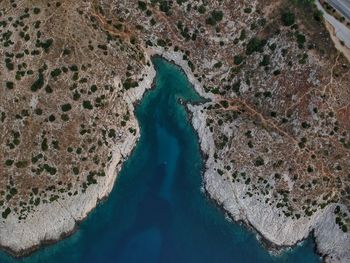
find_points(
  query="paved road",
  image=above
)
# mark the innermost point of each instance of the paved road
(342, 32)
(343, 6)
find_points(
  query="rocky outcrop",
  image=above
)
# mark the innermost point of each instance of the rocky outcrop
(52, 221)
(244, 56)
(332, 243)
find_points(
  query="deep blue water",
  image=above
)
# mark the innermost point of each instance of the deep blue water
(157, 212)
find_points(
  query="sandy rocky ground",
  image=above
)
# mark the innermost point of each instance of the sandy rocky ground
(275, 130)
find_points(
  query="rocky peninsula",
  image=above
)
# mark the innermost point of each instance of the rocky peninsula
(275, 129)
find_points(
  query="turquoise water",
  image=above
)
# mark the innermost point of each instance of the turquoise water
(156, 211)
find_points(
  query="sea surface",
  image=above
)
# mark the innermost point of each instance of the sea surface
(157, 211)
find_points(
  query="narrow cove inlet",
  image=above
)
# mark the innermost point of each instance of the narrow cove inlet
(158, 211)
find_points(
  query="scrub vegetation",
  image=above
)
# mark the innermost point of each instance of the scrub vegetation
(280, 113)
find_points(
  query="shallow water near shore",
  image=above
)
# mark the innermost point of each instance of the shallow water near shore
(157, 211)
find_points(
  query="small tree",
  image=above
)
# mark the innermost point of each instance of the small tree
(66, 107)
(288, 18)
(142, 5)
(238, 59)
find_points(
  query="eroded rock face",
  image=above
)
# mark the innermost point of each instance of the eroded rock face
(276, 128)
(67, 121)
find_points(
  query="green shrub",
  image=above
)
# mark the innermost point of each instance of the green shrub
(37, 201)
(87, 105)
(35, 190)
(36, 10)
(221, 172)
(9, 84)
(76, 96)
(236, 86)
(247, 10)
(310, 169)
(9, 162)
(38, 84)
(56, 72)
(48, 89)
(52, 118)
(238, 59)
(161, 42)
(202, 9)
(93, 88)
(130, 83)
(277, 176)
(36, 158)
(13, 191)
(224, 103)
(301, 40)
(74, 68)
(10, 66)
(103, 47)
(142, 5)
(276, 72)
(91, 179)
(66, 52)
(46, 45)
(164, 7)
(259, 161)
(66, 107)
(51, 170)
(242, 35)
(210, 21)
(54, 198)
(76, 170)
(38, 111)
(288, 18)
(218, 64)
(153, 22)
(318, 15)
(64, 117)
(305, 125)
(273, 47)
(266, 61)
(21, 164)
(255, 45)
(6, 212)
(216, 16)
(44, 145)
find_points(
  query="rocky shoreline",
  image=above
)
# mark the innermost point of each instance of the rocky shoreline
(219, 192)
(276, 230)
(54, 221)
(62, 217)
